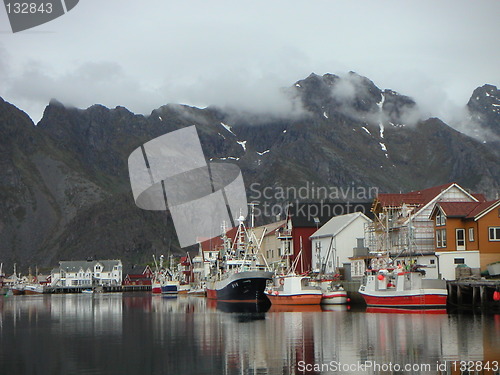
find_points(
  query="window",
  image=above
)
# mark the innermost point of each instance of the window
(471, 234)
(441, 238)
(460, 239)
(459, 261)
(432, 261)
(494, 233)
(440, 219)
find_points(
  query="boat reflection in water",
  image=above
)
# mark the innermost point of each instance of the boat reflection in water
(134, 333)
(402, 310)
(239, 307)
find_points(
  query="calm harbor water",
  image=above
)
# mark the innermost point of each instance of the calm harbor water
(139, 334)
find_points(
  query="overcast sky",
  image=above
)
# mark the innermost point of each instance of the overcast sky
(143, 54)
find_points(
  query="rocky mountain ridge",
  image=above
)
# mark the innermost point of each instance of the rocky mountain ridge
(65, 194)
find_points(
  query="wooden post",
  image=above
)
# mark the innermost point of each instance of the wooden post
(459, 295)
(474, 295)
(482, 295)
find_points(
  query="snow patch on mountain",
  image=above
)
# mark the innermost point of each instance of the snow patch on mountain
(228, 128)
(243, 144)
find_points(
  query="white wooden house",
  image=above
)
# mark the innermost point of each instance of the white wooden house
(333, 243)
(87, 273)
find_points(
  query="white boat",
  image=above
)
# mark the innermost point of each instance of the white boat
(398, 288)
(333, 293)
(387, 285)
(87, 291)
(294, 290)
(33, 289)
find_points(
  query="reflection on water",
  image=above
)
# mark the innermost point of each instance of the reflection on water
(142, 334)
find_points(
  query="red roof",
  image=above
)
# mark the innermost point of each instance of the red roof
(417, 198)
(212, 244)
(481, 207)
(137, 276)
(467, 210)
(458, 209)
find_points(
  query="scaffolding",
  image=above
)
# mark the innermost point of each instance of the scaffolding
(397, 230)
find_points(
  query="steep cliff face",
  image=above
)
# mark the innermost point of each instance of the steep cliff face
(64, 186)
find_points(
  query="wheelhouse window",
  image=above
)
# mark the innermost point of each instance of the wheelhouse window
(494, 233)
(440, 218)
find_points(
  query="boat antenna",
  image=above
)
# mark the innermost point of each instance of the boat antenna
(252, 214)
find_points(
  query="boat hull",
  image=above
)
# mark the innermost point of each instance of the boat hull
(294, 299)
(17, 291)
(170, 289)
(334, 298)
(247, 286)
(406, 310)
(417, 299)
(32, 292)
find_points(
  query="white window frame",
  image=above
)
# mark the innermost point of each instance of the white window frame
(462, 241)
(441, 238)
(440, 219)
(471, 234)
(492, 234)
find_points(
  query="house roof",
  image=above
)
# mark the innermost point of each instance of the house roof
(337, 224)
(273, 227)
(75, 265)
(458, 209)
(303, 214)
(133, 276)
(212, 244)
(418, 198)
(484, 208)
(468, 210)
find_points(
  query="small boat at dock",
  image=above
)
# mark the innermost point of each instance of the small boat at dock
(333, 294)
(294, 290)
(403, 289)
(31, 289)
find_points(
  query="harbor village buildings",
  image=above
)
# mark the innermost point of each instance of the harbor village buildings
(87, 273)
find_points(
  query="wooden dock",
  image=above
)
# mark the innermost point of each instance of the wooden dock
(470, 294)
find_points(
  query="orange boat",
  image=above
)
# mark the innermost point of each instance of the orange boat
(294, 290)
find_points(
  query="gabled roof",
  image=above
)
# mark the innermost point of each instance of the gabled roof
(139, 276)
(484, 208)
(416, 198)
(76, 265)
(457, 209)
(467, 210)
(419, 198)
(303, 214)
(273, 227)
(337, 224)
